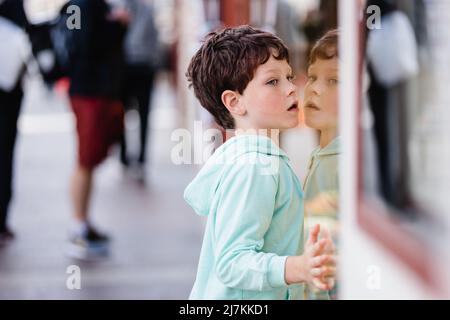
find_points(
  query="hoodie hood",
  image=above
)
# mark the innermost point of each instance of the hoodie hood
(199, 194)
(333, 148)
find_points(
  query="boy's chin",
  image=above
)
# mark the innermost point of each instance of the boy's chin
(279, 127)
(283, 129)
(312, 124)
(290, 125)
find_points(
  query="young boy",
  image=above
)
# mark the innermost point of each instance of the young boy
(321, 185)
(253, 243)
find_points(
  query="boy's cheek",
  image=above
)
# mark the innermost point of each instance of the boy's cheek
(307, 92)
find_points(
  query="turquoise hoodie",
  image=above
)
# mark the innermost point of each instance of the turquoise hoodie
(321, 188)
(254, 204)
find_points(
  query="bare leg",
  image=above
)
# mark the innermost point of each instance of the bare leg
(81, 188)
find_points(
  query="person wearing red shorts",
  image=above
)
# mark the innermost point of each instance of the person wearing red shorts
(95, 91)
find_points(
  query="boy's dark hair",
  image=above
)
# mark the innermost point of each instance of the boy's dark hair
(326, 47)
(227, 60)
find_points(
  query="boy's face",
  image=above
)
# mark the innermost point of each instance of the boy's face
(270, 98)
(321, 95)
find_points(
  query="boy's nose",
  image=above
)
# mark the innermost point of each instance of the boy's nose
(292, 89)
(315, 88)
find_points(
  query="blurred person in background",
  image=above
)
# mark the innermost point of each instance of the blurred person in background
(142, 56)
(13, 61)
(319, 21)
(95, 91)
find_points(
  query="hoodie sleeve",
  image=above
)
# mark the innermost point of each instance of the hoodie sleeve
(244, 214)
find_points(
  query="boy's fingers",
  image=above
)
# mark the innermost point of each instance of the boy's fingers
(330, 282)
(320, 284)
(313, 234)
(325, 233)
(316, 272)
(321, 272)
(318, 247)
(329, 260)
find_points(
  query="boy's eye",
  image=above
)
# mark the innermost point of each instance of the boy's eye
(311, 78)
(333, 81)
(291, 78)
(273, 82)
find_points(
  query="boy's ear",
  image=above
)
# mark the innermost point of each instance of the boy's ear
(231, 101)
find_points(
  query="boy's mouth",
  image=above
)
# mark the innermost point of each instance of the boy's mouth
(311, 105)
(293, 107)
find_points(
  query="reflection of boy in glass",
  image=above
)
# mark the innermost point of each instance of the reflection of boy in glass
(321, 112)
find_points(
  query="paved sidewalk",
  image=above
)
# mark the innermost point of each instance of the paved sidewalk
(156, 236)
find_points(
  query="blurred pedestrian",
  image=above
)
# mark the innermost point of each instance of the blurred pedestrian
(95, 91)
(141, 56)
(13, 60)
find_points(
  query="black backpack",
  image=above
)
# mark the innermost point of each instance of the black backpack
(53, 38)
(63, 39)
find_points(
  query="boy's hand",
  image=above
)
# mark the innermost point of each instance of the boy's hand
(320, 264)
(330, 249)
(316, 266)
(324, 203)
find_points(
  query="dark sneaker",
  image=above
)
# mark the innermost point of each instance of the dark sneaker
(90, 245)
